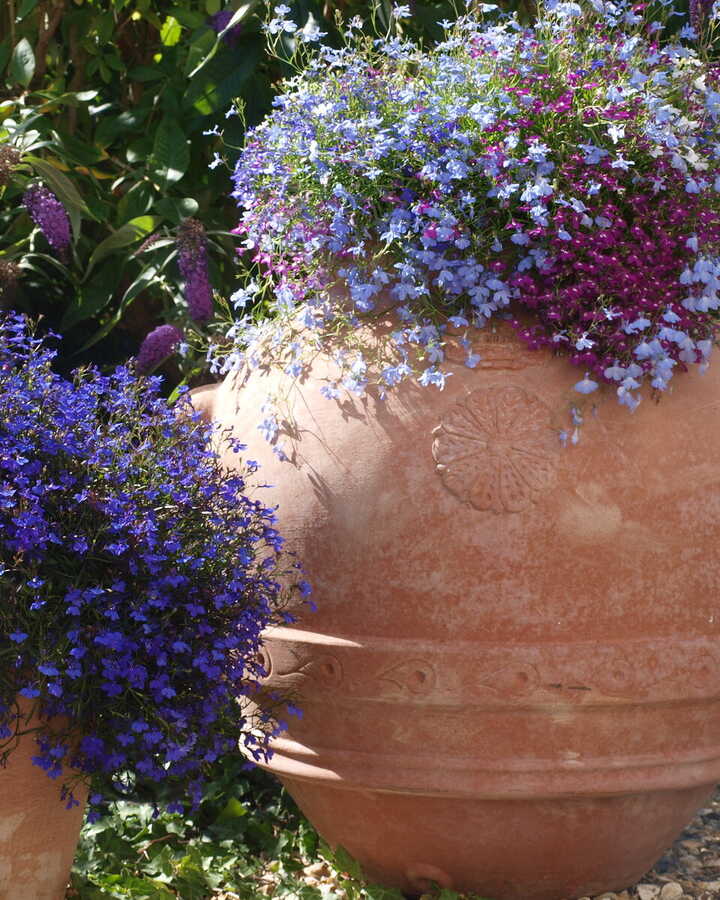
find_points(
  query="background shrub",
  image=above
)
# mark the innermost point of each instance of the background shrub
(116, 107)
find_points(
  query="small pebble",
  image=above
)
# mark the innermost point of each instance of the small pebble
(671, 891)
(648, 891)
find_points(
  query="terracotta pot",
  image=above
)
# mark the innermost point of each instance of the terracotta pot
(512, 684)
(38, 835)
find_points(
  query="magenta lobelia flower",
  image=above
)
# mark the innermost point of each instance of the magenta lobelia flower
(48, 213)
(193, 265)
(157, 346)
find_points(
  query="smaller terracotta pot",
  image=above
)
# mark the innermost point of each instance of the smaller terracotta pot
(38, 835)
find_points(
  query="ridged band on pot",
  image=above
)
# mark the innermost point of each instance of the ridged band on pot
(464, 699)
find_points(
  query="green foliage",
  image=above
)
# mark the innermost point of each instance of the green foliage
(108, 101)
(248, 838)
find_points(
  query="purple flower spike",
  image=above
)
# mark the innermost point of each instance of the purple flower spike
(48, 213)
(193, 265)
(699, 10)
(220, 20)
(157, 346)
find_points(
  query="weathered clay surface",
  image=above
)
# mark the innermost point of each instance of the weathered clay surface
(512, 684)
(38, 834)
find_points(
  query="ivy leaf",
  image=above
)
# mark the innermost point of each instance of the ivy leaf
(377, 892)
(345, 863)
(234, 809)
(170, 156)
(22, 63)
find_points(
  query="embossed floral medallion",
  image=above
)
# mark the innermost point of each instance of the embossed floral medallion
(495, 449)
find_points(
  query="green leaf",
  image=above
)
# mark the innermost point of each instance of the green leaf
(59, 183)
(156, 245)
(170, 32)
(144, 280)
(64, 190)
(146, 73)
(175, 209)
(377, 892)
(242, 12)
(26, 7)
(189, 18)
(113, 125)
(22, 63)
(27, 263)
(92, 297)
(82, 153)
(222, 79)
(4, 55)
(201, 49)
(345, 863)
(171, 155)
(70, 98)
(233, 809)
(138, 151)
(127, 234)
(136, 202)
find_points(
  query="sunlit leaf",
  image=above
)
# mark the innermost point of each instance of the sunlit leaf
(22, 63)
(171, 154)
(170, 32)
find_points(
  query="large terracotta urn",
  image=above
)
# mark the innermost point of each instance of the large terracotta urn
(38, 835)
(512, 682)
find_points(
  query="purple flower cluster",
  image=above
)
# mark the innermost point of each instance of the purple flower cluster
(565, 176)
(48, 213)
(193, 265)
(136, 577)
(220, 20)
(157, 346)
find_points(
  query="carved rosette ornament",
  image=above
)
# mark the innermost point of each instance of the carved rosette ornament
(496, 450)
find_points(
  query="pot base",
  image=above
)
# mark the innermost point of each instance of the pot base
(553, 847)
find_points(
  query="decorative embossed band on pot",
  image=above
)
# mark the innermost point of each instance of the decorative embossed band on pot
(574, 697)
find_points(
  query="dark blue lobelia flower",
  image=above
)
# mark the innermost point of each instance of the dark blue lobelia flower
(137, 576)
